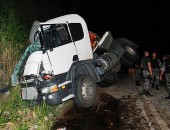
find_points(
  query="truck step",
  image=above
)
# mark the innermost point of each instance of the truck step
(68, 97)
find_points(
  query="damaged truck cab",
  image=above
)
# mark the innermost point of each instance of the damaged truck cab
(71, 62)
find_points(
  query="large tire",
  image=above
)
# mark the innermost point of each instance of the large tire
(109, 79)
(130, 56)
(85, 91)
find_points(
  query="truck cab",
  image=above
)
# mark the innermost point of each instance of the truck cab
(70, 61)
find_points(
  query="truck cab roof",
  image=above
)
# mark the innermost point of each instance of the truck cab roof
(70, 18)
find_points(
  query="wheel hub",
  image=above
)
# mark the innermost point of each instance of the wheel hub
(87, 90)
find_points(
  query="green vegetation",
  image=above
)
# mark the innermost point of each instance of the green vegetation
(15, 114)
(13, 38)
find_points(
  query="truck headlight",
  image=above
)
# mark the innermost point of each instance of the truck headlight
(50, 89)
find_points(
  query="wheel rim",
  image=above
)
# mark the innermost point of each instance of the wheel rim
(130, 50)
(87, 90)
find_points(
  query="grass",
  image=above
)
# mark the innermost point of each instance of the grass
(13, 39)
(15, 114)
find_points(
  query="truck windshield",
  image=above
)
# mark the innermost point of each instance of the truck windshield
(55, 35)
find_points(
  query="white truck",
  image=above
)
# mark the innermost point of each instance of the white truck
(70, 62)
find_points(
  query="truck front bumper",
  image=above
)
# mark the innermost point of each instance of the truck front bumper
(46, 90)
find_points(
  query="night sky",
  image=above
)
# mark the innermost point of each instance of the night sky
(145, 22)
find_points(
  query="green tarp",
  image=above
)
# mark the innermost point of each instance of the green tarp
(19, 67)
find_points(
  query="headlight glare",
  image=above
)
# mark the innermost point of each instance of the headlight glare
(50, 89)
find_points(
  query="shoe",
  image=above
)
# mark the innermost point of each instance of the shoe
(138, 83)
(167, 97)
(148, 94)
(143, 92)
(157, 87)
(153, 85)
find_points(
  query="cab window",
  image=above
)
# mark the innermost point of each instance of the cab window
(56, 35)
(76, 31)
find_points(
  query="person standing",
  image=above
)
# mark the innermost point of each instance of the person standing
(162, 81)
(165, 69)
(156, 64)
(147, 73)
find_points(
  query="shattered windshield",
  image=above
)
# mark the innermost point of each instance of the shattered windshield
(55, 35)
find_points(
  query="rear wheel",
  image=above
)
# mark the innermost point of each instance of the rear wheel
(130, 56)
(85, 90)
(108, 79)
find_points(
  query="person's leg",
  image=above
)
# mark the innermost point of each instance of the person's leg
(144, 83)
(148, 87)
(168, 87)
(167, 76)
(144, 86)
(153, 79)
(157, 79)
(137, 77)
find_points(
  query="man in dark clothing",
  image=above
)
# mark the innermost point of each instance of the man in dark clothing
(165, 69)
(156, 64)
(163, 81)
(147, 73)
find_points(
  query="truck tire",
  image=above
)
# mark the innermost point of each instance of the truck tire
(130, 56)
(126, 51)
(109, 79)
(85, 91)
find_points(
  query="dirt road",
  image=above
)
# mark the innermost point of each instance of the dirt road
(121, 107)
(156, 109)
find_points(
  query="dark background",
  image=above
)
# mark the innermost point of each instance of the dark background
(144, 22)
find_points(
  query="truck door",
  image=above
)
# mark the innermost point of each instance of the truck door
(80, 37)
(59, 47)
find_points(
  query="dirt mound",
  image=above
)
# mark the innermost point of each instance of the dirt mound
(108, 113)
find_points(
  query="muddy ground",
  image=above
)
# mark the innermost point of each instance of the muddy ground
(108, 113)
(119, 107)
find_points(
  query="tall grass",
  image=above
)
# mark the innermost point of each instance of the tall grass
(13, 38)
(16, 115)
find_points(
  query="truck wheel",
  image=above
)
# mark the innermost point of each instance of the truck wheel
(130, 56)
(85, 91)
(126, 50)
(109, 79)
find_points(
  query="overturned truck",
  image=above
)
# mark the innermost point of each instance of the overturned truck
(67, 61)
